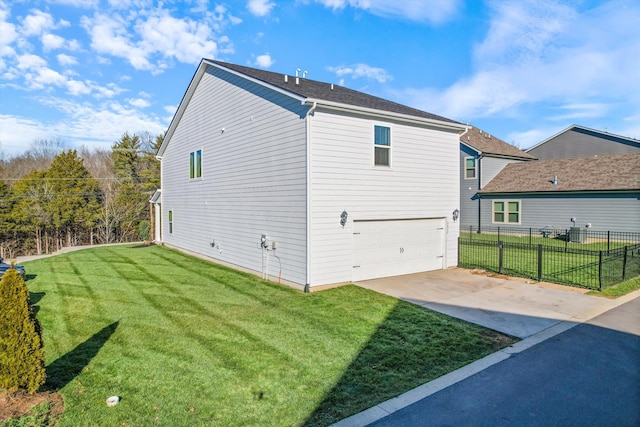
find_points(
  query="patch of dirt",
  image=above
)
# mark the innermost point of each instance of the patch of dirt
(499, 340)
(13, 405)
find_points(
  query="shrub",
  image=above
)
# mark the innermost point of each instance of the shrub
(144, 230)
(22, 363)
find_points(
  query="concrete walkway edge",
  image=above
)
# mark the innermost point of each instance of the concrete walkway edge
(390, 406)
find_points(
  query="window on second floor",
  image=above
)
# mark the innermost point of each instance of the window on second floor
(469, 167)
(195, 164)
(382, 146)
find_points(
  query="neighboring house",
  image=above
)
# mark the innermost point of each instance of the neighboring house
(306, 182)
(600, 192)
(482, 157)
(579, 141)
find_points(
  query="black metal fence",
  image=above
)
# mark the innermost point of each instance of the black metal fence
(603, 259)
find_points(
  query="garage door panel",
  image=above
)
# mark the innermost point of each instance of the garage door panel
(395, 247)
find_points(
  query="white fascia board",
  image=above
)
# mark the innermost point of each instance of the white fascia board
(386, 114)
(181, 107)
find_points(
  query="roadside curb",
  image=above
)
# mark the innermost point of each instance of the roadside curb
(390, 406)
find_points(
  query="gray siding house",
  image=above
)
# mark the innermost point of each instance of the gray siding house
(602, 193)
(580, 141)
(307, 183)
(482, 157)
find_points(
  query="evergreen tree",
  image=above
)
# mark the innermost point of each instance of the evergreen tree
(22, 362)
(125, 158)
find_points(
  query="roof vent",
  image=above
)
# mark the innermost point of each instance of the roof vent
(555, 179)
(297, 81)
(286, 78)
(331, 86)
(304, 74)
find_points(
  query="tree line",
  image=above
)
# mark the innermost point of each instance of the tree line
(52, 197)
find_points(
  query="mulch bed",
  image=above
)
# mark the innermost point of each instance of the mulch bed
(14, 405)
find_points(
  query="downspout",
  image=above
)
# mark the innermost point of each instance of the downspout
(307, 118)
(480, 157)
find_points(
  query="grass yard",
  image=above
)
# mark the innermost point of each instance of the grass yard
(185, 342)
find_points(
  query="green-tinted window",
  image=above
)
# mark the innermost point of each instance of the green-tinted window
(198, 163)
(195, 164)
(514, 212)
(498, 211)
(506, 212)
(382, 145)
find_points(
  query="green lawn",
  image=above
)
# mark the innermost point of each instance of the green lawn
(186, 342)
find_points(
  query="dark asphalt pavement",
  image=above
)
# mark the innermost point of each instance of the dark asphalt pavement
(586, 376)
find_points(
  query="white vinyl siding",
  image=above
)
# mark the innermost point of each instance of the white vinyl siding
(423, 183)
(253, 180)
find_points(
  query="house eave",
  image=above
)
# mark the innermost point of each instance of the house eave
(336, 106)
(556, 192)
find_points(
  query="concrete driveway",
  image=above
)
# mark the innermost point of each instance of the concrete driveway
(509, 305)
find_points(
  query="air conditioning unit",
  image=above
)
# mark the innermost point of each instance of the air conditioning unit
(577, 235)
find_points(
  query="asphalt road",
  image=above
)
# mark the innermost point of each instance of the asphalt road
(586, 376)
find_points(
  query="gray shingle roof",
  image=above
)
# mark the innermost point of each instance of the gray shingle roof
(601, 173)
(489, 144)
(323, 91)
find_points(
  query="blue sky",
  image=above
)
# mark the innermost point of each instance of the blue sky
(86, 71)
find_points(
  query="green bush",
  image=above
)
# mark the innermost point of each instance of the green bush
(144, 230)
(22, 363)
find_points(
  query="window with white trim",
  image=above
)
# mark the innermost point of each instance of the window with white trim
(195, 164)
(469, 168)
(382, 145)
(506, 211)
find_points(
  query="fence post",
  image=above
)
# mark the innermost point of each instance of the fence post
(500, 256)
(600, 270)
(608, 240)
(566, 240)
(498, 233)
(529, 236)
(459, 242)
(539, 262)
(624, 263)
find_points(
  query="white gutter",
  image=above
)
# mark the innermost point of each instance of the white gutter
(308, 172)
(385, 114)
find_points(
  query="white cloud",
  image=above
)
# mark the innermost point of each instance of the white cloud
(546, 55)
(16, 133)
(75, 87)
(264, 61)
(153, 41)
(51, 42)
(66, 60)
(138, 102)
(36, 23)
(260, 7)
(362, 70)
(29, 61)
(433, 11)
(9, 34)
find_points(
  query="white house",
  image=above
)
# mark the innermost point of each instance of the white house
(307, 183)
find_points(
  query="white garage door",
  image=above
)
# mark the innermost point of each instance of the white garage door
(395, 247)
